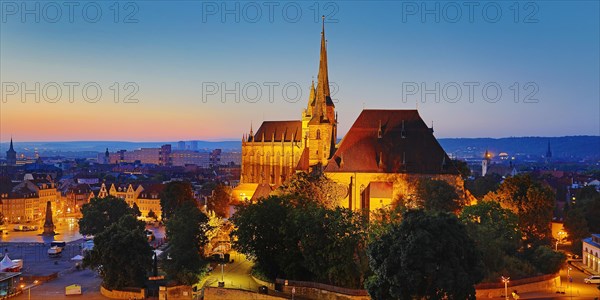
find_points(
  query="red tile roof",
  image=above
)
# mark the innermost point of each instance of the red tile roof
(288, 128)
(406, 145)
(303, 162)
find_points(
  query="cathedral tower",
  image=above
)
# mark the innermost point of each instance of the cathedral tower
(321, 134)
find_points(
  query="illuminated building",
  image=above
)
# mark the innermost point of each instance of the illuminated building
(591, 253)
(380, 160)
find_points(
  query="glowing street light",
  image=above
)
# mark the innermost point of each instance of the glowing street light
(570, 280)
(505, 280)
(35, 282)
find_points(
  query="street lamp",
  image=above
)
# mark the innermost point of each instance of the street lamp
(35, 282)
(505, 280)
(222, 283)
(570, 280)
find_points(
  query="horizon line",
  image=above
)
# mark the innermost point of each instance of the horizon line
(238, 139)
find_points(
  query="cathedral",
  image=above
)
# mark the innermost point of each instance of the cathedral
(380, 159)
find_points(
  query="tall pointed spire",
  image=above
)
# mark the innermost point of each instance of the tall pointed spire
(323, 77)
(311, 99)
(323, 109)
(11, 145)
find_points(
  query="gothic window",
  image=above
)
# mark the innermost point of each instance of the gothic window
(318, 134)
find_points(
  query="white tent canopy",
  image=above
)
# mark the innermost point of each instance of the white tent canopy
(77, 257)
(6, 263)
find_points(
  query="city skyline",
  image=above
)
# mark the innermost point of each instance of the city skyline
(377, 59)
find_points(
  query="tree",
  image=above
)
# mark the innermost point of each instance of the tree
(258, 234)
(313, 186)
(577, 228)
(332, 244)
(462, 167)
(428, 255)
(531, 201)
(438, 195)
(496, 233)
(483, 185)
(299, 239)
(175, 194)
(586, 193)
(547, 260)
(152, 215)
(219, 201)
(186, 230)
(121, 254)
(99, 214)
(136, 210)
(583, 218)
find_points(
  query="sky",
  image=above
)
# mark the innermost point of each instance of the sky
(202, 70)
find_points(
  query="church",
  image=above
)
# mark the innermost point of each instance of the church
(380, 159)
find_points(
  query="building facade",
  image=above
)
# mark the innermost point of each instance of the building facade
(380, 160)
(145, 196)
(26, 201)
(591, 253)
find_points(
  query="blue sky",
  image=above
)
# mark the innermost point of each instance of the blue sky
(546, 53)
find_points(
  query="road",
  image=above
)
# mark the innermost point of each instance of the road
(55, 289)
(575, 290)
(236, 275)
(66, 228)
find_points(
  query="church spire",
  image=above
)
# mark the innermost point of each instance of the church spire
(323, 109)
(311, 99)
(323, 77)
(11, 145)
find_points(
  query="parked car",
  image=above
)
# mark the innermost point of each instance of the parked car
(55, 251)
(592, 279)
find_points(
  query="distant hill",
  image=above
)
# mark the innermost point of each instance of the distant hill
(568, 147)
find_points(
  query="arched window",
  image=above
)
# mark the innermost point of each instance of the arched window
(318, 134)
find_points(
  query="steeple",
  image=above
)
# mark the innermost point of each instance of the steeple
(548, 151)
(11, 155)
(251, 135)
(323, 109)
(311, 99)
(323, 77)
